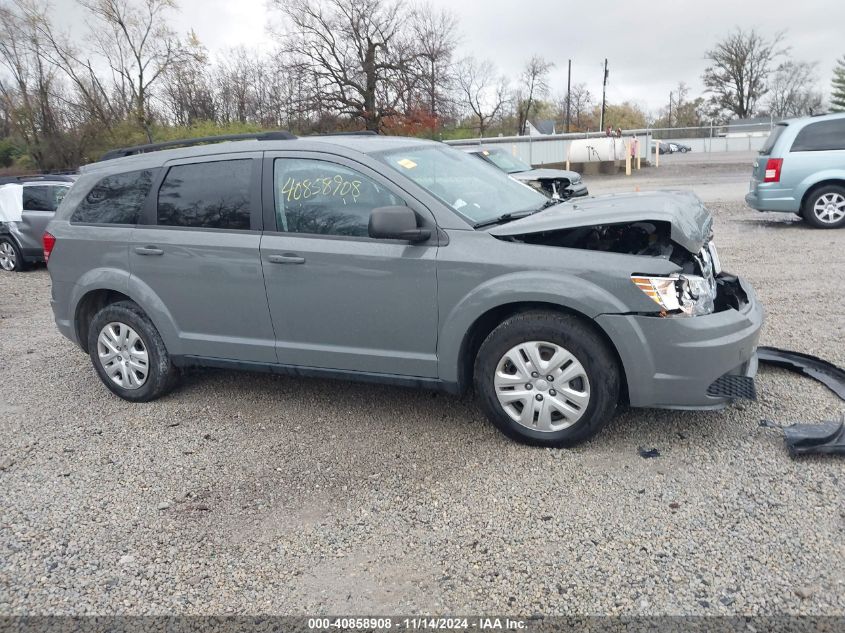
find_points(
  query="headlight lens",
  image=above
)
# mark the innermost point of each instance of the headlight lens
(715, 262)
(679, 295)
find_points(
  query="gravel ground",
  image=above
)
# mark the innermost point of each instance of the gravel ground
(245, 493)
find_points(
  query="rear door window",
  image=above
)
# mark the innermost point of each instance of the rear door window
(821, 136)
(774, 135)
(208, 195)
(116, 199)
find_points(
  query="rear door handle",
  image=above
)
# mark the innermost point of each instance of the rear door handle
(287, 258)
(148, 250)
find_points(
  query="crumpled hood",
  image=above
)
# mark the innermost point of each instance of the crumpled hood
(691, 222)
(545, 174)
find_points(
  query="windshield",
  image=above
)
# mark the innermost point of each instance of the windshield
(473, 188)
(773, 137)
(504, 161)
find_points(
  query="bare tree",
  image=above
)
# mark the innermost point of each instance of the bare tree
(581, 104)
(34, 96)
(233, 74)
(791, 92)
(533, 84)
(482, 90)
(138, 45)
(186, 91)
(435, 35)
(101, 102)
(681, 91)
(355, 51)
(677, 99)
(740, 66)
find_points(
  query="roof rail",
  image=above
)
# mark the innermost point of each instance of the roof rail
(352, 133)
(8, 180)
(188, 142)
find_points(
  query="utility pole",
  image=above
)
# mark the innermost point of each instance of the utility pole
(568, 92)
(603, 94)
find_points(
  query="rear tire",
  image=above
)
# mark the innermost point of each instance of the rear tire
(129, 354)
(11, 259)
(825, 207)
(573, 406)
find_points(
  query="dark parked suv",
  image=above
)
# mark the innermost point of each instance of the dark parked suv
(403, 261)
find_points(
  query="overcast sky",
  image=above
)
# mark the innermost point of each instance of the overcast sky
(650, 45)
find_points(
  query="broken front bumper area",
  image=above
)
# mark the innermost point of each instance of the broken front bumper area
(701, 362)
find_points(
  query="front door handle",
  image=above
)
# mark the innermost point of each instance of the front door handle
(148, 250)
(287, 258)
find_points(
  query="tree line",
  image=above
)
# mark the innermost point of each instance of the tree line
(336, 65)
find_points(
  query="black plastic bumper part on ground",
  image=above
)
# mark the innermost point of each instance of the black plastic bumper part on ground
(826, 438)
(828, 374)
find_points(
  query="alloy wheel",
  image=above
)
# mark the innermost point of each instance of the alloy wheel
(123, 355)
(542, 386)
(8, 258)
(830, 208)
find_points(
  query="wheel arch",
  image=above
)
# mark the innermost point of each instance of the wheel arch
(838, 181)
(112, 287)
(88, 305)
(489, 320)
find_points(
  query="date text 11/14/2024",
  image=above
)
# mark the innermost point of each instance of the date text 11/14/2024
(417, 623)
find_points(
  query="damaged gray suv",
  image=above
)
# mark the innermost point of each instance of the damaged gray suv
(399, 261)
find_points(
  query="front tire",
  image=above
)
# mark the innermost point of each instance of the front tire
(546, 379)
(129, 354)
(825, 207)
(11, 259)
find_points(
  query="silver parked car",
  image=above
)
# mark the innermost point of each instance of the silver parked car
(801, 169)
(555, 183)
(402, 261)
(20, 242)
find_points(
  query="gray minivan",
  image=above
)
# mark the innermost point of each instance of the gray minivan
(801, 169)
(403, 261)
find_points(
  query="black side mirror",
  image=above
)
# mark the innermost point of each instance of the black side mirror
(396, 223)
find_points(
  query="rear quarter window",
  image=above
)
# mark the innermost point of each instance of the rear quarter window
(774, 135)
(821, 136)
(115, 199)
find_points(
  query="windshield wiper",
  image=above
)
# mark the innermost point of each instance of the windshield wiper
(507, 217)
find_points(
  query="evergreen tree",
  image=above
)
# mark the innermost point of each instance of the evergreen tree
(837, 92)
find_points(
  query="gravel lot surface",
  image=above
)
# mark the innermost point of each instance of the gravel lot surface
(246, 493)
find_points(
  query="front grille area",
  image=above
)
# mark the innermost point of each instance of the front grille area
(734, 387)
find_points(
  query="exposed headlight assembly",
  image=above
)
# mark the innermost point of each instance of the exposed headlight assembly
(679, 295)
